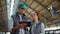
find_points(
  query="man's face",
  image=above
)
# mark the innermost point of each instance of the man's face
(21, 11)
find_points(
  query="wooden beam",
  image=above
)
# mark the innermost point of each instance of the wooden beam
(41, 1)
(35, 11)
(51, 2)
(27, 9)
(41, 5)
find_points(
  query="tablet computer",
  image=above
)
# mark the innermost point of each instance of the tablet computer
(27, 22)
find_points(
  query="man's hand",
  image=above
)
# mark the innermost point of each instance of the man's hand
(26, 28)
(22, 25)
(18, 26)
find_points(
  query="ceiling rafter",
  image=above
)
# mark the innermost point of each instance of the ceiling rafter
(35, 11)
(56, 18)
(27, 9)
(31, 8)
(30, 5)
(29, 14)
(44, 6)
(41, 1)
(36, 6)
(51, 2)
(41, 5)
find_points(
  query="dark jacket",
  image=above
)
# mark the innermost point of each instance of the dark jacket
(39, 28)
(16, 20)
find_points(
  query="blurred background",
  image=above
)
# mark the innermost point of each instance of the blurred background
(48, 10)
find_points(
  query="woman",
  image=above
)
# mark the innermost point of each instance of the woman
(37, 26)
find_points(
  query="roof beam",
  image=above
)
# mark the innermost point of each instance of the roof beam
(41, 1)
(27, 9)
(30, 5)
(35, 11)
(41, 4)
(51, 2)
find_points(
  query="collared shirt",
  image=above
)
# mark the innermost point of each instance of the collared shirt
(33, 28)
(21, 30)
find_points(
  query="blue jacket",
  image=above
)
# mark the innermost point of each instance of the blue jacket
(16, 20)
(39, 28)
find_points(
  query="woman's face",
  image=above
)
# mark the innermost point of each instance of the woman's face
(35, 16)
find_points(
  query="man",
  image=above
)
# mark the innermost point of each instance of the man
(37, 27)
(19, 16)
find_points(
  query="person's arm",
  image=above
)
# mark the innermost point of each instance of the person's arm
(13, 25)
(16, 27)
(42, 29)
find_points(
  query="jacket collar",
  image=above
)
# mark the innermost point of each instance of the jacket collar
(37, 23)
(18, 15)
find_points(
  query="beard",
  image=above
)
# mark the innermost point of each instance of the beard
(20, 13)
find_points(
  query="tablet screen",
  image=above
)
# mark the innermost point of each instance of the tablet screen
(27, 22)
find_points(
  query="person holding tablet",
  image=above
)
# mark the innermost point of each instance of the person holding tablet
(19, 16)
